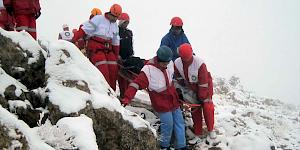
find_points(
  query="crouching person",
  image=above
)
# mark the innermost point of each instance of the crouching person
(157, 76)
(192, 71)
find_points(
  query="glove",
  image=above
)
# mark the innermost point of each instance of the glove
(125, 101)
(77, 35)
(9, 10)
(179, 93)
(37, 15)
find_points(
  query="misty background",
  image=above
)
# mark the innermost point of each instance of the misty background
(257, 40)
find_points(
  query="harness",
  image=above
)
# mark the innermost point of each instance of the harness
(107, 46)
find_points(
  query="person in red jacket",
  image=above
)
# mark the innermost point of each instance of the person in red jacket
(191, 72)
(157, 77)
(82, 42)
(103, 44)
(25, 13)
(6, 20)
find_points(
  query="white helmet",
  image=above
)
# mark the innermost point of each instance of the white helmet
(65, 26)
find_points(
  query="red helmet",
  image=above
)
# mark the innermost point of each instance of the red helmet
(124, 16)
(176, 21)
(185, 52)
(116, 10)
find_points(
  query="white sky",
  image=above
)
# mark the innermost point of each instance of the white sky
(256, 40)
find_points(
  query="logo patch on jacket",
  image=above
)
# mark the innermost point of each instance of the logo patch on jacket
(194, 78)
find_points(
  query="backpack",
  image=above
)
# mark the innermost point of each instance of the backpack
(134, 64)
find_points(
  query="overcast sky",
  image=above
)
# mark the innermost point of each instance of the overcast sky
(257, 40)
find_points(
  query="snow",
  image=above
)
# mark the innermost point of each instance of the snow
(243, 121)
(33, 139)
(76, 67)
(17, 104)
(6, 80)
(25, 41)
(82, 129)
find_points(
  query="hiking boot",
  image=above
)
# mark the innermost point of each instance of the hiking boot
(195, 140)
(184, 148)
(212, 135)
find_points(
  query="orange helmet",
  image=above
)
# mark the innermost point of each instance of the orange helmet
(116, 10)
(96, 11)
(176, 21)
(124, 16)
(185, 51)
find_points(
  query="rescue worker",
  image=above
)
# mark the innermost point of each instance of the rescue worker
(157, 77)
(191, 72)
(82, 42)
(6, 20)
(25, 13)
(175, 37)
(103, 44)
(66, 34)
(126, 51)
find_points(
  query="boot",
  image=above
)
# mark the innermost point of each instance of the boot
(212, 135)
(165, 148)
(195, 140)
(184, 148)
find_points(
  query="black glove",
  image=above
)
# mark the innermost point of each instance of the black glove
(37, 15)
(9, 10)
(179, 92)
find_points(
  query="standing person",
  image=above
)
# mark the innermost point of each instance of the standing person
(126, 51)
(157, 77)
(175, 37)
(191, 70)
(66, 34)
(6, 20)
(25, 13)
(103, 44)
(82, 42)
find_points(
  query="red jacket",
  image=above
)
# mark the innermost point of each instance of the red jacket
(23, 6)
(203, 85)
(3, 16)
(163, 101)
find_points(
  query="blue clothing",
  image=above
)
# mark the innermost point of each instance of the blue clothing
(172, 122)
(174, 42)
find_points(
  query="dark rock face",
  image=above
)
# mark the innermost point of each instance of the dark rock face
(28, 114)
(12, 56)
(5, 142)
(112, 132)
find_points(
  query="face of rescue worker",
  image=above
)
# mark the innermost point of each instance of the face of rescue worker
(163, 64)
(176, 30)
(66, 29)
(124, 24)
(112, 18)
